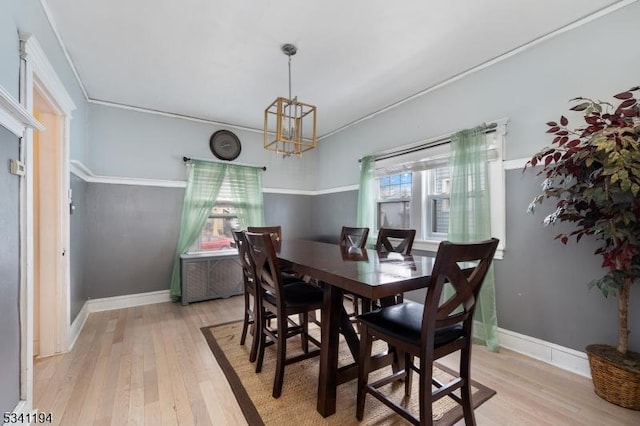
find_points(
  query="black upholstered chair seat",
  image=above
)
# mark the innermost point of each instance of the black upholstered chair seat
(298, 294)
(404, 322)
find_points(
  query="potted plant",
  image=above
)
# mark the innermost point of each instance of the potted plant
(593, 174)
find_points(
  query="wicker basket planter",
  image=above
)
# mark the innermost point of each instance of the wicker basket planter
(615, 378)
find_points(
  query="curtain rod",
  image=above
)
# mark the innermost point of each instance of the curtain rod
(489, 128)
(185, 159)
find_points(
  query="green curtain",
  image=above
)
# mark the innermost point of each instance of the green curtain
(203, 184)
(246, 192)
(366, 197)
(470, 214)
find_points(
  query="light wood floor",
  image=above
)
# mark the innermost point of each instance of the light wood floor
(151, 365)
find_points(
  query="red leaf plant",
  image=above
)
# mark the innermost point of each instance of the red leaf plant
(593, 174)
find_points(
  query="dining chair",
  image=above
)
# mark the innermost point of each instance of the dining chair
(250, 295)
(429, 331)
(274, 231)
(393, 240)
(353, 238)
(276, 236)
(273, 297)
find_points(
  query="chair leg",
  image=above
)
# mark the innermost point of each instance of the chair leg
(465, 390)
(304, 336)
(425, 402)
(363, 370)
(281, 354)
(261, 325)
(247, 318)
(257, 331)
(408, 371)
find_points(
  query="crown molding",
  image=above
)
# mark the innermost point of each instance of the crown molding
(54, 28)
(173, 115)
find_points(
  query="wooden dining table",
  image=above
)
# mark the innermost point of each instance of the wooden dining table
(362, 272)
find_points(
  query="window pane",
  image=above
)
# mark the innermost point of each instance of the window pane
(216, 233)
(440, 215)
(441, 180)
(394, 214)
(395, 186)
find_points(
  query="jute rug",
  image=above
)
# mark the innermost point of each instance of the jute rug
(297, 404)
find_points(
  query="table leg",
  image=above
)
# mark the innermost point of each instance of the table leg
(328, 380)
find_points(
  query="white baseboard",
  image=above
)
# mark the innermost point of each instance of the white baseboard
(78, 324)
(556, 355)
(559, 356)
(128, 301)
(22, 411)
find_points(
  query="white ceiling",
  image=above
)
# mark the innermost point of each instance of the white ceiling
(221, 60)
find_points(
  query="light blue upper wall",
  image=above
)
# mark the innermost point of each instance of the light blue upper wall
(9, 52)
(137, 144)
(597, 60)
(28, 16)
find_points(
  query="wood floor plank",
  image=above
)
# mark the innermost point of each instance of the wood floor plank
(150, 365)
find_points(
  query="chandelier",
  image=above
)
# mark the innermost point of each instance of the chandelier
(289, 125)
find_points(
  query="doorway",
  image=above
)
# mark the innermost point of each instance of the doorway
(48, 246)
(41, 91)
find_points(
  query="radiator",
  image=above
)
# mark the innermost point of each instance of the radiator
(210, 276)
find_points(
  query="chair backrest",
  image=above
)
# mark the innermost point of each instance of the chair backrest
(353, 237)
(466, 281)
(401, 240)
(265, 261)
(245, 259)
(274, 231)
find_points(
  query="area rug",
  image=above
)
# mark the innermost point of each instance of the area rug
(297, 404)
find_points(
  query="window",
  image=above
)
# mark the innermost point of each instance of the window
(413, 192)
(398, 202)
(216, 233)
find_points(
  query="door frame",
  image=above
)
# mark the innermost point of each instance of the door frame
(15, 118)
(37, 72)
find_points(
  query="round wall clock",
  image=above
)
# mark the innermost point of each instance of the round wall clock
(225, 145)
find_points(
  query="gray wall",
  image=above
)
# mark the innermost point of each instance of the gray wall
(542, 284)
(293, 212)
(131, 236)
(78, 292)
(333, 211)
(9, 275)
(132, 231)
